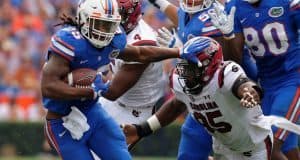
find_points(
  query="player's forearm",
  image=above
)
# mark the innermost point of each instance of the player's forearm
(169, 112)
(166, 114)
(154, 54)
(61, 91)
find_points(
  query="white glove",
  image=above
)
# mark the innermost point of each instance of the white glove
(222, 21)
(165, 38)
(76, 123)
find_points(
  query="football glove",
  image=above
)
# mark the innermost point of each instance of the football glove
(99, 86)
(222, 21)
(165, 38)
(192, 48)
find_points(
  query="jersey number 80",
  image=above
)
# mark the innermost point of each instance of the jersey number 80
(273, 35)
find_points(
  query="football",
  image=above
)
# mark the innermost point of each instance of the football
(81, 77)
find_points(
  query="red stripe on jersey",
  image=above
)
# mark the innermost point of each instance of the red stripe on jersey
(269, 145)
(211, 33)
(144, 43)
(293, 110)
(221, 75)
(52, 138)
(63, 43)
(295, 7)
(57, 51)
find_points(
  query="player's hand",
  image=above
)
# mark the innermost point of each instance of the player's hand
(165, 38)
(99, 86)
(130, 132)
(250, 97)
(224, 22)
(193, 47)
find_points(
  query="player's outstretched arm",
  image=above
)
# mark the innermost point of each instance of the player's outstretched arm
(164, 116)
(52, 83)
(147, 54)
(248, 91)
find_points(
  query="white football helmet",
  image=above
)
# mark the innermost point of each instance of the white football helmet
(193, 6)
(98, 20)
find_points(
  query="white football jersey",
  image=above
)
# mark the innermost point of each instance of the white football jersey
(148, 89)
(220, 111)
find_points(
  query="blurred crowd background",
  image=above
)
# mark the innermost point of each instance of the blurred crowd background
(26, 27)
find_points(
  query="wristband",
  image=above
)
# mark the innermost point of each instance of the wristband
(143, 129)
(259, 90)
(147, 127)
(154, 123)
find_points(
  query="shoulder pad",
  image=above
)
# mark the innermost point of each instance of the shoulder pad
(119, 41)
(66, 42)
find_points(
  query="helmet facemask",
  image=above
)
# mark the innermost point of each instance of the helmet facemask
(100, 31)
(193, 78)
(190, 76)
(193, 6)
(97, 23)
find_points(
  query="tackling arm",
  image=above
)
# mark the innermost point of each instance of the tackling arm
(246, 90)
(124, 79)
(54, 87)
(147, 54)
(164, 116)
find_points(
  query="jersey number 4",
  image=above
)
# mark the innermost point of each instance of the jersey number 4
(209, 123)
(273, 35)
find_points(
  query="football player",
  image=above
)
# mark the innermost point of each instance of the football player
(270, 29)
(191, 19)
(137, 87)
(141, 82)
(221, 97)
(75, 121)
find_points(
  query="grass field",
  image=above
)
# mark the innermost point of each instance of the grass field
(40, 158)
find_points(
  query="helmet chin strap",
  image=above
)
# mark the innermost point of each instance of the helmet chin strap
(252, 1)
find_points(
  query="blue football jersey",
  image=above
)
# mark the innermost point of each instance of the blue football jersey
(198, 24)
(71, 45)
(271, 34)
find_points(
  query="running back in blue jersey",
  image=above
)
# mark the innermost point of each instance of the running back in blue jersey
(71, 45)
(271, 33)
(104, 136)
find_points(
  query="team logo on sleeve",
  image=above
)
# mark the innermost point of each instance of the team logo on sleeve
(276, 12)
(114, 54)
